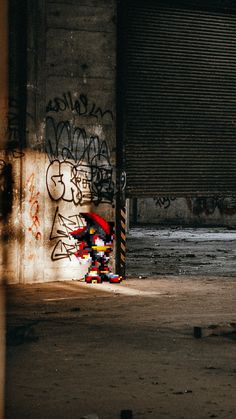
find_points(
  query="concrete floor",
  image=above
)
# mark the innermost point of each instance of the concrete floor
(154, 251)
(76, 349)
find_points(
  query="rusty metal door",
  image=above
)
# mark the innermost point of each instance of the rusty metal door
(178, 78)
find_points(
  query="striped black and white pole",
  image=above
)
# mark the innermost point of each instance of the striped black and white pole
(121, 228)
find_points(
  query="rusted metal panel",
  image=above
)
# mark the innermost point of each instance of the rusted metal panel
(180, 98)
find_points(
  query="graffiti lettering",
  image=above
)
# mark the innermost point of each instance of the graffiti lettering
(34, 208)
(61, 226)
(80, 170)
(164, 202)
(208, 205)
(63, 250)
(80, 106)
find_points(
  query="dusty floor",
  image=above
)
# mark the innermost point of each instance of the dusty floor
(181, 251)
(104, 348)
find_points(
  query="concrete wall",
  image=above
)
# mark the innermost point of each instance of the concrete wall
(67, 162)
(215, 211)
(80, 123)
(3, 130)
(61, 138)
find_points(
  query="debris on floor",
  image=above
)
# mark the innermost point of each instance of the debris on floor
(214, 330)
(181, 251)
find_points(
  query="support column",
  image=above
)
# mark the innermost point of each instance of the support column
(4, 179)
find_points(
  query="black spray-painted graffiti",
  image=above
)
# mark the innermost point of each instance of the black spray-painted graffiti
(208, 205)
(6, 191)
(16, 129)
(164, 201)
(80, 170)
(81, 106)
(61, 226)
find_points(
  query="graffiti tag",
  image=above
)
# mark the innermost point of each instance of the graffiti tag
(164, 202)
(61, 226)
(80, 106)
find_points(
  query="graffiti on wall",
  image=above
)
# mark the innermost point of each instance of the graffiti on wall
(6, 190)
(63, 244)
(80, 106)
(164, 201)
(33, 202)
(208, 205)
(17, 128)
(80, 170)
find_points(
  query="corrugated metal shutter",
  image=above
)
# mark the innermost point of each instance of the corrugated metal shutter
(180, 100)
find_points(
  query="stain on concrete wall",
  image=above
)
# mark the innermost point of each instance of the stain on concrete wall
(218, 210)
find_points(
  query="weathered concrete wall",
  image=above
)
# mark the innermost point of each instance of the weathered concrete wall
(80, 124)
(66, 163)
(3, 130)
(185, 211)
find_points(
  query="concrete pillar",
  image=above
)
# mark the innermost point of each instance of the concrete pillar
(3, 139)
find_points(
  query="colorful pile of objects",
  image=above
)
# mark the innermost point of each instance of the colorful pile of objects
(95, 244)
